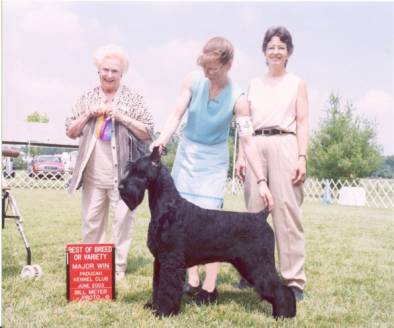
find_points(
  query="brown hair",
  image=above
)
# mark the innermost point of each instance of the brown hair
(282, 33)
(217, 48)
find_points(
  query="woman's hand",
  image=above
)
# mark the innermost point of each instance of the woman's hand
(76, 126)
(117, 116)
(91, 112)
(158, 143)
(300, 171)
(103, 109)
(139, 129)
(240, 168)
(266, 196)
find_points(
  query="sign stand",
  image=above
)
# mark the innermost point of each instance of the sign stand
(90, 272)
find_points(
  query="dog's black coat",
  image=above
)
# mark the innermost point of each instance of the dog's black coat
(182, 235)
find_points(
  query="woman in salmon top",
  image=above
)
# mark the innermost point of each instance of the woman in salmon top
(279, 108)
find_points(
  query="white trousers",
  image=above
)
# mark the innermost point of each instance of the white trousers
(96, 203)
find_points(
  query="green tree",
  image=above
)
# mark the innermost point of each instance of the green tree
(344, 146)
(386, 169)
(36, 117)
(171, 146)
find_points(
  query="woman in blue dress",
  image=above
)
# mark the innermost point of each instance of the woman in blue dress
(210, 99)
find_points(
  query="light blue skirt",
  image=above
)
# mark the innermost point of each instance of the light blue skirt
(200, 172)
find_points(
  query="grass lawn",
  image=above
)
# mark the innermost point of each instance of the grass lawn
(350, 271)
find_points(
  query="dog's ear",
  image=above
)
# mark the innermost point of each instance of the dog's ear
(129, 166)
(155, 156)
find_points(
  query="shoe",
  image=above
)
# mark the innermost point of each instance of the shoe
(298, 293)
(204, 297)
(190, 290)
(242, 284)
(119, 275)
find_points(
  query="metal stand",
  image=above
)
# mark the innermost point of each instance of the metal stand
(9, 204)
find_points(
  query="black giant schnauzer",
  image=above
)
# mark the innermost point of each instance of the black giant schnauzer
(182, 235)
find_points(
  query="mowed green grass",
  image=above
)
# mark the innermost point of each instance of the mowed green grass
(350, 271)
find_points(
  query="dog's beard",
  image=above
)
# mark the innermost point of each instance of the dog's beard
(133, 195)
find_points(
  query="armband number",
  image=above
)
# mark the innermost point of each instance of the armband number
(244, 125)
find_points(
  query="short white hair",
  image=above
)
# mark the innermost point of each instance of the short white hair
(111, 51)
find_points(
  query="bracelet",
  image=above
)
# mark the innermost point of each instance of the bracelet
(302, 155)
(261, 180)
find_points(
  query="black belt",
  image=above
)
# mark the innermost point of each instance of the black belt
(270, 132)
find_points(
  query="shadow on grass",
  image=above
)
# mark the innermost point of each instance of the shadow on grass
(138, 297)
(228, 274)
(11, 271)
(247, 300)
(135, 264)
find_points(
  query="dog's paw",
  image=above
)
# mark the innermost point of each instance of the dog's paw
(148, 305)
(161, 313)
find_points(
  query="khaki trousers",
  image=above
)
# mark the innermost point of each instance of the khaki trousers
(279, 155)
(96, 203)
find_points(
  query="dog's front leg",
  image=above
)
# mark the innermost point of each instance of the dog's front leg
(155, 283)
(168, 289)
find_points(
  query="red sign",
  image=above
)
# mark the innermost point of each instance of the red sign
(90, 272)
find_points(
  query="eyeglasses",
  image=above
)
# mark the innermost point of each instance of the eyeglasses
(212, 70)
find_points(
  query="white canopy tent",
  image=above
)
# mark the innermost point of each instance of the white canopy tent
(38, 134)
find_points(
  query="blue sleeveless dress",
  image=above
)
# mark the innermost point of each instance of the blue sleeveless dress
(201, 161)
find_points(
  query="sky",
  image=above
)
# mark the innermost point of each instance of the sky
(346, 48)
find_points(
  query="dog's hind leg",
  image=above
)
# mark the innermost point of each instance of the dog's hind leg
(168, 292)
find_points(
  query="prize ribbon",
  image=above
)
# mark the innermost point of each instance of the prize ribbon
(104, 127)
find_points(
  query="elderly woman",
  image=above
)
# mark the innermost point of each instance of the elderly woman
(279, 107)
(113, 124)
(211, 99)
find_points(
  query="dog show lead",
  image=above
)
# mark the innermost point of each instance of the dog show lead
(210, 99)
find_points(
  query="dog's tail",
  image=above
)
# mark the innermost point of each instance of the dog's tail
(263, 214)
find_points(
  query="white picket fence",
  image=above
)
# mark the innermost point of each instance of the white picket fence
(23, 180)
(379, 193)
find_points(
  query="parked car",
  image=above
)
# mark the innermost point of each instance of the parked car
(46, 166)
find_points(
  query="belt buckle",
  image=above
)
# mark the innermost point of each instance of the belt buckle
(271, 132)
